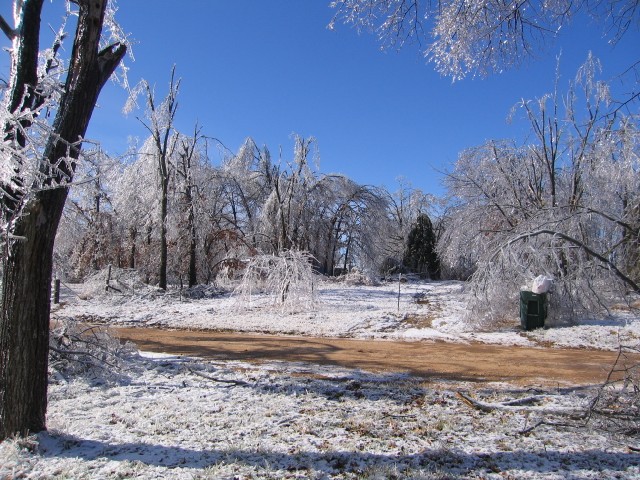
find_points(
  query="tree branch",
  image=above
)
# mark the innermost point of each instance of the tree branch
(521, 405)
(240, 383)
(7, 30)
(109, 58)
(577, 243)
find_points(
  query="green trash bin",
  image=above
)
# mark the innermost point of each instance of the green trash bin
(533, 309)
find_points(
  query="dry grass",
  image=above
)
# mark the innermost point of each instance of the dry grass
(625, 307)
(417, 320)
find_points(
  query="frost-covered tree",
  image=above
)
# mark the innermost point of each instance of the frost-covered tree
(463, 37)
(286, 277)
(186, 188)
(89, 237)
(161, 146)
(188, 191)
(334, 196)
(565, 205)
(38, 162)
(285, 215)
(363, 217)
(135, 203)
(236, 195)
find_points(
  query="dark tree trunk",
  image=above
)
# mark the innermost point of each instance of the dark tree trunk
(193, 273)
(133, 233)
(346, 256)
(162, 274)
(24, 330)
(185, 171)
(26, 289)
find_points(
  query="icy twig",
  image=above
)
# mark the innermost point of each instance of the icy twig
(517, 406)
(219, 380)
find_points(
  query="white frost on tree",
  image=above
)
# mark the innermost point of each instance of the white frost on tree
(566, 206)
(478, 37)
(287, 278)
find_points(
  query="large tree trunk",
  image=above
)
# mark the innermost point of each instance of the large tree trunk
(26, 288)
(24, 330)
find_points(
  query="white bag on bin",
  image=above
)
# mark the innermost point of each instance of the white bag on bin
(541, 284)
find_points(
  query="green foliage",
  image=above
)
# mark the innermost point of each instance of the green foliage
(420, 255)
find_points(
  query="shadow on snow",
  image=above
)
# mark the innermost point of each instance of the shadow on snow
(446, 461)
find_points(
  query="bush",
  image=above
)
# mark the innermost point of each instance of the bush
(287, 278)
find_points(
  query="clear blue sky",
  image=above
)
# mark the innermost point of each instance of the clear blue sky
(267, 69)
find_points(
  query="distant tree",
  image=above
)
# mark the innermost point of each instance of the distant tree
(405, 205)
(136, 208)
(38, 163)
(420, 255)
(188, 189)
(285, 215)
(163, 142)
(88, 237)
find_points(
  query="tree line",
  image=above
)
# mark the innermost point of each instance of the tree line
(169, 211)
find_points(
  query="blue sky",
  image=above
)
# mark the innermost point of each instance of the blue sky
(268, 69)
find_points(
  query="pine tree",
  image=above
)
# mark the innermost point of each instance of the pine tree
(420, 255)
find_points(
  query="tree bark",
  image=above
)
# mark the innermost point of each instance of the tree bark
(162, 274)
(193, 242)
(133, 233)
(26, 289)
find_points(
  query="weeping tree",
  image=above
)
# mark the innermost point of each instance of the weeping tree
(564, 205)
(38, 164)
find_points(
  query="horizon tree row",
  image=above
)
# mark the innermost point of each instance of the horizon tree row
(169, 212)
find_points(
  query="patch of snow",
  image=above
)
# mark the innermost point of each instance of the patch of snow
(432, 311)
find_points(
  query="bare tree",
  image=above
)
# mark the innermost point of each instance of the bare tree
(186, 165)
(160, 125)
(31, 218)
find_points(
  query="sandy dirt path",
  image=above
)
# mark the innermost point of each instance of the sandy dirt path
(464, 362)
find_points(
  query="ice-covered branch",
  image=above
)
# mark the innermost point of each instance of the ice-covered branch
(610, 265)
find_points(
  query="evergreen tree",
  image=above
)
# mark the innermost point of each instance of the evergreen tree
(420, 255)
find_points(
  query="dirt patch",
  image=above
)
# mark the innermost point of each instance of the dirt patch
(449, 361)
(418, 320)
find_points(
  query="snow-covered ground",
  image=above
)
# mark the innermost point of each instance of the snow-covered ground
(175, 417)
(171, 417)
(424, 311)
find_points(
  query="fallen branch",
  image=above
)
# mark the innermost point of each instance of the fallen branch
(219, 380)
(530, 429)
(517, 406)
(109, 287)
(69, 353)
